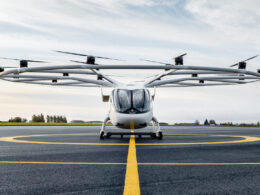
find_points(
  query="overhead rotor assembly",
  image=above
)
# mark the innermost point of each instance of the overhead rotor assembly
(130, 103)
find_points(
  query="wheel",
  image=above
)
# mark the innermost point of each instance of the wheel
(140, 136)
(153, 135)
(160, 135)
(122, 136)
(102, 135)
(108, 135)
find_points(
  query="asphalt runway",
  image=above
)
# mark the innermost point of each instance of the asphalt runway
(72, 160)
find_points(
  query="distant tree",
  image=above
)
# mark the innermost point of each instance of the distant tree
(197, 122)
(258, 123)
(38, 118)
(16, 120)
(24, 120)
(206, 122)
(212, 122)
(59, 119)
(41, 118)
(65, 119)
(227, 124)
(34, 118)
(55, 119)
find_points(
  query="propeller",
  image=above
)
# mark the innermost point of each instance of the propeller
(242, 64)
(179, 59)
(78, 61)
(85, 55)
(156, 62)
(23, 62)
(159, 63)
(38, 61)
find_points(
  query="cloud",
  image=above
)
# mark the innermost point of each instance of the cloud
(214, 33)
(237, 20)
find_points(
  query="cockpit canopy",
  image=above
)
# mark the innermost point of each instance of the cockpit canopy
(131, 101)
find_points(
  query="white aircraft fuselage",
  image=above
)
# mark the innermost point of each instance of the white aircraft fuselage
(130, 107)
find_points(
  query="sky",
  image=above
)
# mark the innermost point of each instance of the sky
(213, 33)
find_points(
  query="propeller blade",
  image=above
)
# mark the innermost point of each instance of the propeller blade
(38, 61)
(250, 58)
(155, 62)
(106, 58)
(10, 59)
(78, 61)
(234, 65)
(244, 61)
(180, 56)
(78, 54)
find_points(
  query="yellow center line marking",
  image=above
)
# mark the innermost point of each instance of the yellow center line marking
(60, 163)
(132, 185)
(199, 164)
(142, 164)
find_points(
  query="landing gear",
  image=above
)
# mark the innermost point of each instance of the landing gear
(102, 135)
(153, 135)
(103, 132)
(160, 135)
(156, 129)
(156, 133)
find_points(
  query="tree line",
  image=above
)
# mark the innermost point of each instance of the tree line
(41, 119)
(17, 120)
(56, 119)
(213, 122)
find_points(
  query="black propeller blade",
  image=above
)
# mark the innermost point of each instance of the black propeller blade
(38, 61)
(180, 56)
(85, 55)
(156, 62)
(179, 59)
(24, 63)
(78, 61)
(243, 62)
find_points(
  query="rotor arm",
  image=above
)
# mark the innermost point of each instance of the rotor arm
(158, 77)
(74, 84)
(195, 85)
(16, 78)
(190, 84)
(112, 81)
(150, 67)
(227, 79)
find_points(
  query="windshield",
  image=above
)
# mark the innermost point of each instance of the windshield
(131, 101)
